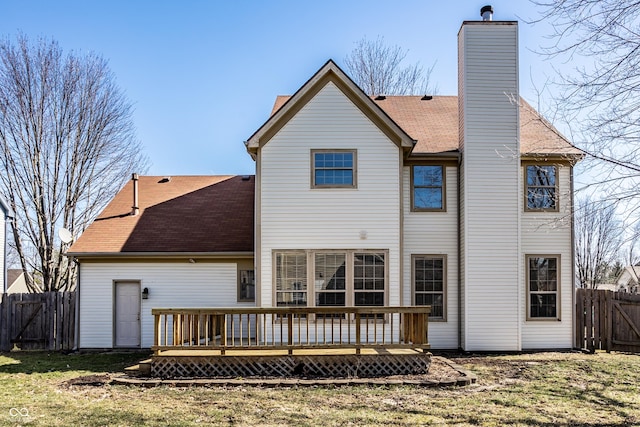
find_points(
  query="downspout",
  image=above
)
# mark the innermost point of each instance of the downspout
(76, 344)
(573, 261)
(459, 230)
(7, 217)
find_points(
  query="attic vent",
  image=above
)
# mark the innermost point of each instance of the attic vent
(380, 98)
(426, 98)
(246, 177)
(165, 179)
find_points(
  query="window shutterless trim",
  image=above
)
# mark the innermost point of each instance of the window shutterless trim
(354, 169)
(310, 269)
(558, 315)
(526, 187)
(443, 190)
(444, 259)
(240, 298)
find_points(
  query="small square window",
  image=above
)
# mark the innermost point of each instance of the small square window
(333, 169)
(427, 187)
(541, 188)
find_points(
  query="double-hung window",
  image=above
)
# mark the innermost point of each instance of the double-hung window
(427, 188)
(291, 279)
(429, 283)
(333, 168)
(541, 188)
(543, 274)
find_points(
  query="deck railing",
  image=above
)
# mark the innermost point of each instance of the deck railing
(290, 328)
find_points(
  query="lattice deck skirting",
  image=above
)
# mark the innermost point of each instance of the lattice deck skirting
(338, 366)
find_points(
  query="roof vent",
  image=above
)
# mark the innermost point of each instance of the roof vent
(426, 98)
(380, 98)
(487, 13)
(165, 179)
(246, 177)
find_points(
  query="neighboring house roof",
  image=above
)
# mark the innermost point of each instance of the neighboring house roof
(629, 275)
(186, 214)
(433, 124)
(16, 283)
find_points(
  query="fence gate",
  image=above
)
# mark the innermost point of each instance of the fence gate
(41, 321)
(607, 320)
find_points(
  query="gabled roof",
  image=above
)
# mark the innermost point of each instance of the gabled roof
(433, 124)
(329, 72)
(185, 214)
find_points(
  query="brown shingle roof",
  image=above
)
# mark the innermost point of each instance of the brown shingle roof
(433, 124)
(196, 214)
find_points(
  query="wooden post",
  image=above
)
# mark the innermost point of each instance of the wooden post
(358, 334)
(223, 335)
(289, 333)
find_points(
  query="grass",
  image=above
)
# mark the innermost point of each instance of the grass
(538, 389)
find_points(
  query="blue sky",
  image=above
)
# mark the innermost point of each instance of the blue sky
(203, 75)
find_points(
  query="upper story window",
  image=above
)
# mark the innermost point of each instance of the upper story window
(333, 168)
(427, 188)
(541, 188)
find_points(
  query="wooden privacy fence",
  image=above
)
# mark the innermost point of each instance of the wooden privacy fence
(39, 321)
(290, 328)
(607, 320)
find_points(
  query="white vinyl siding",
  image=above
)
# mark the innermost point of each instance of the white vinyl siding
(491, 171)
(171, 285)
(550, 233)
(295, 216)
(434, 233)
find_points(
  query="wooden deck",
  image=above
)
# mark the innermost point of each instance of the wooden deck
(310, 341)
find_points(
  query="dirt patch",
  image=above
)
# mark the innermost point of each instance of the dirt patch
(88, 380)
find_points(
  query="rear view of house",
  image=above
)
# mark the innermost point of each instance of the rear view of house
(462, 203)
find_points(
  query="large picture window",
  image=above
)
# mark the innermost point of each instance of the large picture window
(427, 188)
(333, 169)
(541, 187)
(340, 278)
(542, 286)
(429, 283)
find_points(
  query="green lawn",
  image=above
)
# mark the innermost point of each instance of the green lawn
(539, 389)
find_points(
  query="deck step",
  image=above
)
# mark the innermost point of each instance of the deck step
(142, 369)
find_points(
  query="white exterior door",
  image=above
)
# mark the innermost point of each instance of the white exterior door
(127, 314)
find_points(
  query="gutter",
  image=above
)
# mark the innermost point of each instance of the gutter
(160, 255)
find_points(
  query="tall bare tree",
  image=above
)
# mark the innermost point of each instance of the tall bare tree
(598, 44)
(378, 69)
(598, 239)
(67, 143)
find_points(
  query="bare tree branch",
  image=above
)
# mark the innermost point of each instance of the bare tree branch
(67, 145)
(377, 68)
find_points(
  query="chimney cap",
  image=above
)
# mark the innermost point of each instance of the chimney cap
(487, 13)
